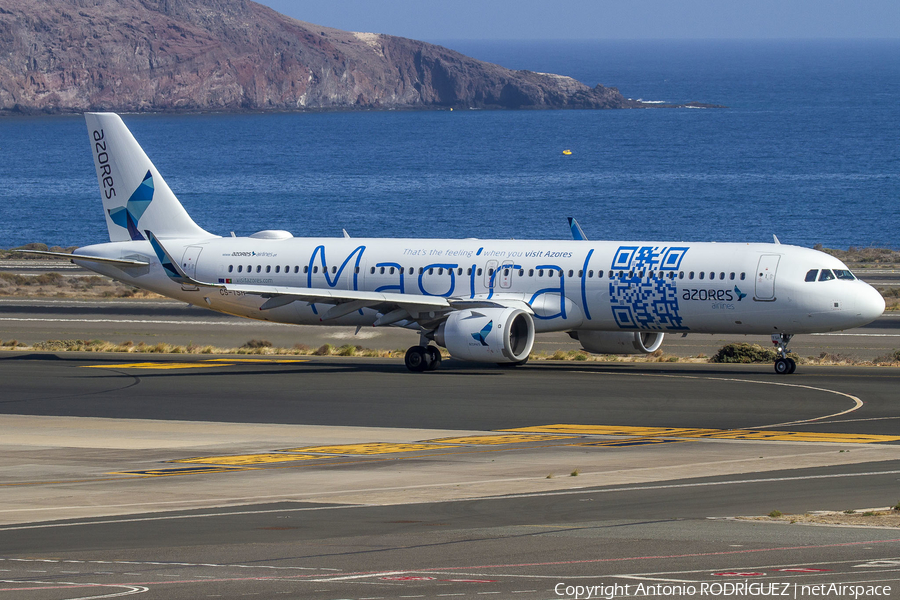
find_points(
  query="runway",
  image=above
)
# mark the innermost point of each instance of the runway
(185, 477)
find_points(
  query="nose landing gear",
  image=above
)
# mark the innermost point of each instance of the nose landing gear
(783, 365)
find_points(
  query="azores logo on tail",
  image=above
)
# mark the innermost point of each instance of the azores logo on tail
(128, 216)
(481, 336)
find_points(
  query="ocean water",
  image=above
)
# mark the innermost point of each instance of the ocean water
(808, 149)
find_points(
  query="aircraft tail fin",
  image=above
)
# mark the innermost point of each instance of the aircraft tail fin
(135, 196)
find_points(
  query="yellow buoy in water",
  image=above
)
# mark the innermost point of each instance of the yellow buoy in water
(567, 152)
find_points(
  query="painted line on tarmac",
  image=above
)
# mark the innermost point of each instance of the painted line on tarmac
(213, 362)
(303, 498)
(487, 440)
(367, 448)
(857, 403)
(718, 434)
(158, 365)
(246, 459)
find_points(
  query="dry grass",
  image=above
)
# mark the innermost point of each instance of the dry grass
(266, 348)
(56, 285)
(886, 517)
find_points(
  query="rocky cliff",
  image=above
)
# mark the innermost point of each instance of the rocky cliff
(158, 55)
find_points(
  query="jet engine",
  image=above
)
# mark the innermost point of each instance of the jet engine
(618, 342)
(495, 335)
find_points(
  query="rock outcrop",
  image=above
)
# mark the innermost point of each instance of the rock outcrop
(163, 55)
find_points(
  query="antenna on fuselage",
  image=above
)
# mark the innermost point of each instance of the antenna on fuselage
(775, 237)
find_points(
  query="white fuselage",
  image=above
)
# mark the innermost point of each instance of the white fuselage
(570, 285)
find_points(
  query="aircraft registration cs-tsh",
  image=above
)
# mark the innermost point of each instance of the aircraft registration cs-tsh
(483, 300)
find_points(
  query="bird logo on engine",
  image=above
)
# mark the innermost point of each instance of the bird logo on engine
(482, 335)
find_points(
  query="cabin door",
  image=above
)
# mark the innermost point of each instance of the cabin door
(765, 277)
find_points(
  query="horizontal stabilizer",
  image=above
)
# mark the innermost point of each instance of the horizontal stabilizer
(119, 262)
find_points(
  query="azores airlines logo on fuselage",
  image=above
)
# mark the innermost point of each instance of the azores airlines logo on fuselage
(481, 336)
(128, 216)
(740, 295)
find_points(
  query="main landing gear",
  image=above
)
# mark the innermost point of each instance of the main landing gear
(423, 358)
(783, 364)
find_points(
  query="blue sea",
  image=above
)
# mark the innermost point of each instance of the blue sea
(808, 149)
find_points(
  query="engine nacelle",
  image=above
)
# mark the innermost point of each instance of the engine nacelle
(495, 335)
(618, 342)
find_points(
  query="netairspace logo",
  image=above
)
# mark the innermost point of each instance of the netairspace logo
(723, 590)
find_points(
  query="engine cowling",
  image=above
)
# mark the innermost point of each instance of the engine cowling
(619, 342)
(495, 335)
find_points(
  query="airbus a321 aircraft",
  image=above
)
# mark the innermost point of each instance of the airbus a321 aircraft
(482, 300)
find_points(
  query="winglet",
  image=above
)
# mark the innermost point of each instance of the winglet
(170, 266)
(577, 232)
(775, 237)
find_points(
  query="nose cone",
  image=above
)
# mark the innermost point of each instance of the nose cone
(869, 304)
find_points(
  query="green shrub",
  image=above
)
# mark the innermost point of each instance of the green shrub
(744, 353)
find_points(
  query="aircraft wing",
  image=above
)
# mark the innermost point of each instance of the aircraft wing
(424, 310)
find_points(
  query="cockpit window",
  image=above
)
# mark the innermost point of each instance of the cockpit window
(826, 275)
(844, 274)
(811, 274)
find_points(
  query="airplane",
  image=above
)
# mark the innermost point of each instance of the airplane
(482, 300)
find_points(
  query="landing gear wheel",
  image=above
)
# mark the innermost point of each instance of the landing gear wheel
(783, 366)
(416, 360)
(432, 358)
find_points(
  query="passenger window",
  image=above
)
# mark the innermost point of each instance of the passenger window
(412, 270)
(478, 272)
(540, 272)
(240, 268)
(691, 275)
(651, 274)
(278, 268)
(743, 276)
(469, 271)
(372, 271)
(431, 271)
(392, 270)
(826, 275)
(356, 270)
(506, 272)
(702, 274)
(722, 275)
(521, 272)
(599, 273)
(268, 268)
(249, 268)
(306, 269)
(459, 271)
(571, 272)
(334, 269)
(531, 272)
(491, 271)
(258, 268)
(731, 276)
(421, 270)
(812, 274)
(381, 271)
(712, 275)
(230, 268)
(680, 274)
(844, 274)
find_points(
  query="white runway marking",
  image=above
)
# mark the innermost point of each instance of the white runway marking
(479, 499)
